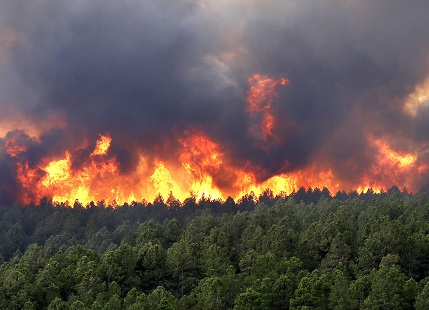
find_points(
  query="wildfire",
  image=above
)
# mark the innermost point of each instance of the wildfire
(57, 171)
(202, 166)
(259, 98)
(201, 161)
(14, 149)
(200, 155)
(94, 181)
(390, 167)
(102, 146)
(391, 157)
(163, 182)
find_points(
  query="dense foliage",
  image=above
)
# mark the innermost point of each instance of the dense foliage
(306, 251)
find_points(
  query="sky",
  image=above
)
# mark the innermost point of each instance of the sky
(148, 71)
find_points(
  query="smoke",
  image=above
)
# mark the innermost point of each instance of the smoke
(146, 71)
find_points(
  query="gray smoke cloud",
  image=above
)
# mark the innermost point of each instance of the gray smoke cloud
(144, 71)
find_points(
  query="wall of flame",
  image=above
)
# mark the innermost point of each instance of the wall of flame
(201, 166)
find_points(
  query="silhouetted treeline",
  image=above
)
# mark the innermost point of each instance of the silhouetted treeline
(75, 224)
(308, 250)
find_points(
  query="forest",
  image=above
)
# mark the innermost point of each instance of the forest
(308, 250)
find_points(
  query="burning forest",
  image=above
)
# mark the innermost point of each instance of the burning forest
(124, 102)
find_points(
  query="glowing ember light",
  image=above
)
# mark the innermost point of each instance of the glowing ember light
(25, 124)
(15, 143)
(14, 149)
(29, 178)
(259, 98)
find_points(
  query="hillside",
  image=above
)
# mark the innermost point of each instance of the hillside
(269, 253)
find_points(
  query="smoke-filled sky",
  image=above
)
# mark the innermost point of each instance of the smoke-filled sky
(147, 71)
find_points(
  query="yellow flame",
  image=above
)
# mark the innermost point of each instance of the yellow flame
(396, 158)
(163, 182)
(366, 188)
(419, 97)
(102, 146)
(57, 171)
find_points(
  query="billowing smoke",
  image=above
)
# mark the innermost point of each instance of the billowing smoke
(147, 72)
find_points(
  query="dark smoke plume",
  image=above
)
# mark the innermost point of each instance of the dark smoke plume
(145, 71)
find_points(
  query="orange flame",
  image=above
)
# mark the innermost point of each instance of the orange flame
(388, 156)
(201, 160)
(287, 183)
(203, 167)
(259, 98)
(13, 148)
(390, 167)
(200, 155)
(102, 146)
(57, 179)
